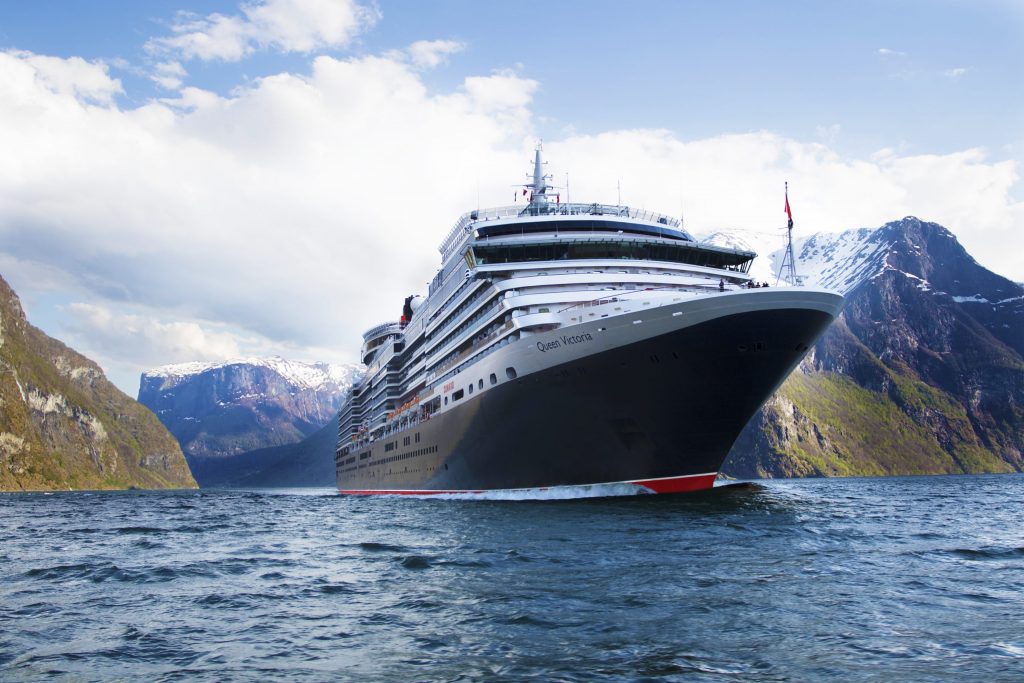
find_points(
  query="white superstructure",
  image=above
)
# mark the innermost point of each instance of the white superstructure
(519, 283)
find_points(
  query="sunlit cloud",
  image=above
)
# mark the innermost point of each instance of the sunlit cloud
(281, 25)
(299, 209)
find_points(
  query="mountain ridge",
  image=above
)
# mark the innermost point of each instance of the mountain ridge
(222, 411)
(306, 375)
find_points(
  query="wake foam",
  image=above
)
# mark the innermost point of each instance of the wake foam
(547, 493)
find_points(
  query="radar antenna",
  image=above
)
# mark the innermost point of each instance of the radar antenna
(788, 265)
(537, 189)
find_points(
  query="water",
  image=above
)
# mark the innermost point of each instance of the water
(861, 579)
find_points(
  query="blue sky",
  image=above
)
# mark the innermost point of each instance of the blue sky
(195, 180)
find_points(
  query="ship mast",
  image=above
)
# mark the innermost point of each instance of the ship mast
(539, 187)
(788, 262)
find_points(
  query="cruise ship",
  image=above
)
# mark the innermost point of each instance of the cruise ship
(564, 345)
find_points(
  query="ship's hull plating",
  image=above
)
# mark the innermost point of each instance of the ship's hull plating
(660, 412)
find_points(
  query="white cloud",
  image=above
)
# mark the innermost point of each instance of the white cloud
(828, 134)
(428, 54)
(954, 73)
(279, 209)
(25, 72)
(736, 181)
(142, 339)
(886, 52)
(127, 343)
(300, 209)
(283, 25)
(169, 75)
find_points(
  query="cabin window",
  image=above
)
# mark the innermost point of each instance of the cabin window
(457, 395)
(446, 400)
(510, 373)
(470, 387)
(494, 379)
(480, 385)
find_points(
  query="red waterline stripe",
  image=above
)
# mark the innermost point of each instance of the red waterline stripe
(693, 482)
(689, 482)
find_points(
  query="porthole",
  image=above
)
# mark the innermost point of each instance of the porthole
(480, 385)
(510, 373)
(494, 379)
(446, 400)
(470, 387)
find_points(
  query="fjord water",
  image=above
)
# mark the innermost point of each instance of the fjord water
(858, 579)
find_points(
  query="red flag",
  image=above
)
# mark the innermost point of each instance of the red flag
(524, 191)
(788, 211)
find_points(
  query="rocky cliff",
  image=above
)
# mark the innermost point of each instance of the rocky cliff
(922, 373)
(64, 426)
(220, 412)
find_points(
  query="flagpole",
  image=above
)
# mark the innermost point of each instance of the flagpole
(788, 262)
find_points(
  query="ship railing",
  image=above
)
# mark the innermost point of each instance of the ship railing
(462, 228)
(389, 426)
(620, 295)
(452, 313)
(470, 358)
(383, 328)
(450, 331)
(472, 349)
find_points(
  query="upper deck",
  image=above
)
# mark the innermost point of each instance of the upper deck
(567, 217)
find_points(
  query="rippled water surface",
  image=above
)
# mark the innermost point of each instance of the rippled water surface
(860, 579)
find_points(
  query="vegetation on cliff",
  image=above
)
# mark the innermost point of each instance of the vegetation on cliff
(63, 425)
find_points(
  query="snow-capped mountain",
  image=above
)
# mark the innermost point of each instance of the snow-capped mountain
(223, 409)
(767, 246)
(838, 261)
(922, 373)
(304, 375)
(844, 260)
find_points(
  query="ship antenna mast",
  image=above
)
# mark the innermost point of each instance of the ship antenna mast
(539, 186)
(788, 262)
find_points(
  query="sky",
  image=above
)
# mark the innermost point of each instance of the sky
(200, 180)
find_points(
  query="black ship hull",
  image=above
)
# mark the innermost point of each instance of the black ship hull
(661, 413)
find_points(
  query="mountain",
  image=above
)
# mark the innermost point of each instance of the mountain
(309, 462)
(220, 412)
(922, 373)
(64, 426)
